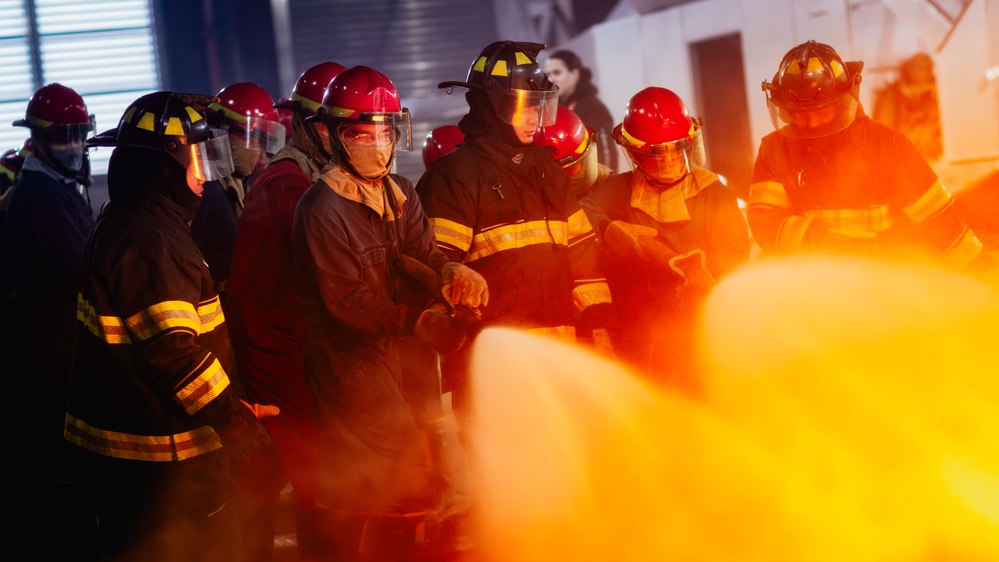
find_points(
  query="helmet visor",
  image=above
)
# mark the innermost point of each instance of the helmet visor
(528, 107)
(209, 160)
(814, 122)
(389, 127)
(68, 134)
(259, 134)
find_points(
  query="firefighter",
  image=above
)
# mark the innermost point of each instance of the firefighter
(349, 233)
(439, 142)
(154, 408)
(500, 204)
(246, 111)
(268, 329)
(669, 229)
(48, 220)
(573, 146)
(830, 179)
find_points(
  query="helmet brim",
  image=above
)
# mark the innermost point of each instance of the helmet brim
(107, 138)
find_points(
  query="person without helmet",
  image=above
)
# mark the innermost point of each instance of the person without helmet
(573, 147)
(268, 329)
(669, 229)
(154, 409)
(830, 179)
(351, 230)
(500, 204)
(47, 223)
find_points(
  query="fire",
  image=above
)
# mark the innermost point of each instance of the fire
(851, 412)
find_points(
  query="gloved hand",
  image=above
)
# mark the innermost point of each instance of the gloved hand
(635, 241)
(464, 285)
(440, 330)
(691, 267)
(243, 434)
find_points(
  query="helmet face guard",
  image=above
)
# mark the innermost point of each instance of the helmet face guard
(64, 134)
(526, 107)
(208, 160)
(257, 133)
(668, 161)
(818, 121)
(389, 128)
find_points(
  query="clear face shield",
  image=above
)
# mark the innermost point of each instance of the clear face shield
(528, 108)
(583, 172)
(209, 160)
(670, 161)
(379, 130)
(818, 121)
(259, 134)
(69, 134)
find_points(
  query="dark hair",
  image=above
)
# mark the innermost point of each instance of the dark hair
(572, 62)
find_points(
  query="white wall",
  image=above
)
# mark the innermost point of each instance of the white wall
(633, 51)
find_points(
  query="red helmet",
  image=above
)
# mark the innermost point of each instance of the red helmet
(248, 111)
(59, 113)
(27, 148)
(814, 92)
(307, 95)
(364, 95)
(568, 137)
(440, 141)
(10, 165)
(572, 147)
(660, 135)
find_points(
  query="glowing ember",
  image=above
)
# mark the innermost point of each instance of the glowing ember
(851, 413)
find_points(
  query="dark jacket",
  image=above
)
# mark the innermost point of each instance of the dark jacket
(595, 115)
(153, 364)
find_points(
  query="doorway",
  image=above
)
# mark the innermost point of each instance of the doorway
(720, 87)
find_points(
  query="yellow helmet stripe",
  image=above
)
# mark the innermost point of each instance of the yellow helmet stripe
(147, 122)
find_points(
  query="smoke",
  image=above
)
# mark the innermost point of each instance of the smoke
(851, 412)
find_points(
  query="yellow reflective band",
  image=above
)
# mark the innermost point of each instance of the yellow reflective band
(631, 140)
(499, 69)
(579, 225)
(313, 106)
(129, 114)
(147, 122)
(193, 114)
(793, 68)
(872, 219)
(7, 171)
(161, 317)
(814, 64)
(154, 448)
(590, 293)
(452, 234)
(521, 58)
(210, 315)
(174, 127)
(518, 235)
(936, 200)
(480, 65)
(108, 328)
(790, 234)
(964, 249)
(768, 194)
(206, 387)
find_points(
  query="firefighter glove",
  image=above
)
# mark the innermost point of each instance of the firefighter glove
(691, 267)
(464, 285)
(242, 434)
(440, 330)
(636, 241)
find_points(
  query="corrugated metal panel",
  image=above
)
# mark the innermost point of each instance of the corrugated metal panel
(416, 43)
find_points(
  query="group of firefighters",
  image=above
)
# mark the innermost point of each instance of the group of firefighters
(352, 298)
